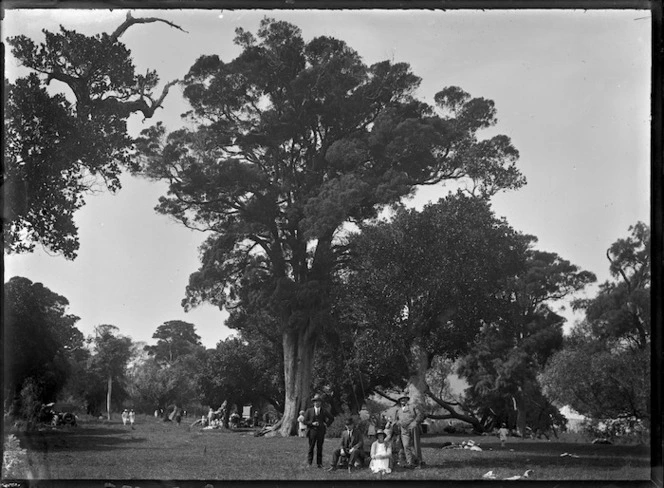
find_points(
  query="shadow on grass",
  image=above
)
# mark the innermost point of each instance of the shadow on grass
(77, 439)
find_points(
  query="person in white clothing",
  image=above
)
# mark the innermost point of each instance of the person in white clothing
(502, 435)
(301, 426)
(381, 454)
(132, 418)
(125, 417)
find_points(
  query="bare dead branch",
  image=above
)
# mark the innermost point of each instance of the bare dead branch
(146, 20)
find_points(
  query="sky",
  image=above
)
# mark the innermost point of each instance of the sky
(571, 89)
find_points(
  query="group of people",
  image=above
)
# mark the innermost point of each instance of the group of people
(128, 416)
(401, 433)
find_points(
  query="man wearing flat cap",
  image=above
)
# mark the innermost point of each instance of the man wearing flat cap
(317, 420)
(409, 417)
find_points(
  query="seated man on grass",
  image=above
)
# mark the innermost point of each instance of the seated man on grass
(352, 447)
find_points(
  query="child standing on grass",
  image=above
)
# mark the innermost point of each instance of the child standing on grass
(301, 427)
(502, 435)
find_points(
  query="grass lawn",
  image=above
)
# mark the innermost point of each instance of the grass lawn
(163, 451)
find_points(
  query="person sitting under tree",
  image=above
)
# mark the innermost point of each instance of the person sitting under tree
(352, 447)
(381, 454)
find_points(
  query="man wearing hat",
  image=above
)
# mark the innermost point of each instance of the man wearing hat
(352, 447)
(317, 420)
(408, 417)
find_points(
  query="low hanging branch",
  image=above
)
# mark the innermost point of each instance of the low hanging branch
(386, 396)
(453, 414)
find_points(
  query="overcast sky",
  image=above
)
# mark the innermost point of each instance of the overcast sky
(571, 89)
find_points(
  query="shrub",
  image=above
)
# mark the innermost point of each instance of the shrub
(14, 459)
(627, 430)
(30, 402)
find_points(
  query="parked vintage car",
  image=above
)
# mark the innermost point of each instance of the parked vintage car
(58, 414)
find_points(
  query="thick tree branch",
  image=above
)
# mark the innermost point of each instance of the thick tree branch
(453, 413)
(386, 396)
(147, 20)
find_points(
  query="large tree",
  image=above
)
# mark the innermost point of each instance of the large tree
(61, 146)
(112, 352)
(39, 339)
(426, 283)
(503, 364)
(294, 139)
(175, 338)
(608, 354)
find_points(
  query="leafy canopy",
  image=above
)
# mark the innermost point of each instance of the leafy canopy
(175, 338)
(293, 139)
(39, 338)
(61, 147)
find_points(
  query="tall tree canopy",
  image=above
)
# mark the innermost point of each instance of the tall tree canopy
(175, 339)
(510, 352)
(59, 147)
(608, 354)
(39, 337)
(112, 352)
(292, 140)
(428, 282)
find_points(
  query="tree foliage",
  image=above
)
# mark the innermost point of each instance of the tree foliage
(427, 282)
(608, 354)
(621, 309)
(510, 352)
(232, 372)
(60, 147)
(607, 385)
(112, 352)
(293, 139)
(40, 337)
(175, 338)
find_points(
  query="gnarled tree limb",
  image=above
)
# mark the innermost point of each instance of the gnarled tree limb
(133, 20)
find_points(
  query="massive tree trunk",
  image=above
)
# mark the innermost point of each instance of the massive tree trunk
(417, 383)
(520, 407)
(299, 346)
(108, 396)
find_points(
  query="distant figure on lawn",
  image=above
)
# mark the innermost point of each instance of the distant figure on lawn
(132, 418)
(371, 430)
(178, 416)
(409, 417)
(352, 447)
(301, 426)
(381, 454)
(125, 417)
(256, 418)
(502, 435)
(317, 421)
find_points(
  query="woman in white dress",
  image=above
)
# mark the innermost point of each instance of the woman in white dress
(381, 454)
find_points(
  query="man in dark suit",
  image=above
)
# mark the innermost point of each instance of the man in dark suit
(352, 447)
(317, 420)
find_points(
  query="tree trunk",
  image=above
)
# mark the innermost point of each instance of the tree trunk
(419, 389)
(520, 407)
(108, 397)
(299, 346)
(417, 383)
